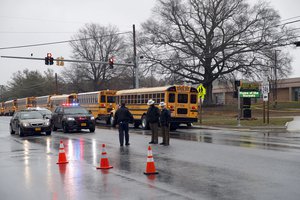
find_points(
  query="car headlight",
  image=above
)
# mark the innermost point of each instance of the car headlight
(25, 124)
(92, 118)
(70, 119)
(47, 123)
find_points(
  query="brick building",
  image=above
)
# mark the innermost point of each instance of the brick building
(287, 90)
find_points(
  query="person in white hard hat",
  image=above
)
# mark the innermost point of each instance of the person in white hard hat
(164, 119)
(153, 119)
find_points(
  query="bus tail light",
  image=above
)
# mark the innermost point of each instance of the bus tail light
(102, 105)
(193, 107)
(171, 108)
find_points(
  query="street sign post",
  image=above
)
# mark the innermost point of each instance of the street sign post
(265, 89)
(201, 94)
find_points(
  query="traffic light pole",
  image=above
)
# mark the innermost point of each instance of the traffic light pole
(75, 61)
(136, 73)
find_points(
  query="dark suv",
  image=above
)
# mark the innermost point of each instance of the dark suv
(72, 117)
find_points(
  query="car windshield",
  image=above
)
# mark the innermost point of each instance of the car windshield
(76, 110)
(45, 112)
(31, 115)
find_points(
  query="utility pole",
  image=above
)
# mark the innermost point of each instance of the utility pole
(135, 60)
(239, 106)
(56, 86)
(275, 80)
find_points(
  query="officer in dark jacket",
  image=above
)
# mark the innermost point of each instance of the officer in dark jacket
(153, 119)
(164, 120)
(123, 117)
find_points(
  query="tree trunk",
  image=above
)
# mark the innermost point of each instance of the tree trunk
(208, 97)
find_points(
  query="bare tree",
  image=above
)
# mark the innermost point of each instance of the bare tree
(95, 42)
(202, 40)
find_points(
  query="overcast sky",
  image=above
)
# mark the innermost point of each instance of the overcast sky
(25, 22)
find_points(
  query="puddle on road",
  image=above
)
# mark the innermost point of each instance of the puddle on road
(268, 140)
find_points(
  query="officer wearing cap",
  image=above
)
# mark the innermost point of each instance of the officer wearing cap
(164, 120)
(153, 119)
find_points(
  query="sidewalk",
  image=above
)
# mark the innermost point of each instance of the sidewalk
(293, 126)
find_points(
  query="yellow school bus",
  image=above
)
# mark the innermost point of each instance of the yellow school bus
(99, 103)
(43, 101)
(57, 100)
(181, 100)
(25, 103)
(1, 108)
(10, 107)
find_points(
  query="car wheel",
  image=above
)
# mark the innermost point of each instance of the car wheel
(136, 124)
(65, 128)
(145, 124)
(112, 120)
(92, 130)
(48, 132)
(54, 128)
(11, 130)
(21, 133)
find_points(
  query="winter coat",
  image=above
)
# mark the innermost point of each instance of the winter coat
(153, 114)
(123, 115)
(165, 117)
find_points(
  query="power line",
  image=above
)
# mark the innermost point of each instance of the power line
(60, 42)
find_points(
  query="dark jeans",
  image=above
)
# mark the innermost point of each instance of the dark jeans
(123, 129)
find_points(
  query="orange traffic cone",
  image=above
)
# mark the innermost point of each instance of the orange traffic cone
(62, 159)
(150, 167)
(104, 163)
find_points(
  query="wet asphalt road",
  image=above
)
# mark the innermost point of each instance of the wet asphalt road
(199, 164)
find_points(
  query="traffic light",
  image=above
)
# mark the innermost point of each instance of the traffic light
(49, 59)
(46, 61)
(237, 83)
(111, 62)
(297, 43)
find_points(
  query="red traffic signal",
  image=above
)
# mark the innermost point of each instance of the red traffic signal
(49, 59)
(111, 62)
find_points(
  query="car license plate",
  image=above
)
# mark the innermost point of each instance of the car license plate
(38, 129)
(83, 124)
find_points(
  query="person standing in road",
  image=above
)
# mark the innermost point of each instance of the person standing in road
(164, 119)
(123, 117)
(153, 119)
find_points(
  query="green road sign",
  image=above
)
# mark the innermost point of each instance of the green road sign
(250, 94)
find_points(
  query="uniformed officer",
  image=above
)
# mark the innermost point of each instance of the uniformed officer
(164, 120)
(153, 119)
(123, 117)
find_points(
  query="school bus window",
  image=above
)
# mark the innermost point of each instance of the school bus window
(146, 97)
(182, 98)
(102, 99)
(172, 98)
(162, 96)
(193, 98)
(155, 98)
(110, 99)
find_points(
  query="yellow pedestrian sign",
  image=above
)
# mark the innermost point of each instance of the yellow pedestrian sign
(201, 91)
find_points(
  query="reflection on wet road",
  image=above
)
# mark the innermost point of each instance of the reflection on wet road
(199, 164)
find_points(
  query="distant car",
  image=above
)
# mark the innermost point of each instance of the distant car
(71, 117)
(28, 122)
(44, 111)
